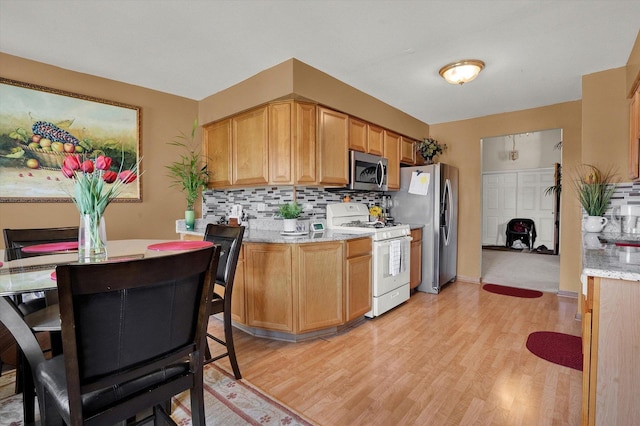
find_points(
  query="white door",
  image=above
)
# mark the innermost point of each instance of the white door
(532, 203)
(498, 206)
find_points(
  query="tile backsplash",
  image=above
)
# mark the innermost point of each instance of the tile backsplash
(625, 193)
(217, 203)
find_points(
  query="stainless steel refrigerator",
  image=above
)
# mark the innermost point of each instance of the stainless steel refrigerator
(428, 196)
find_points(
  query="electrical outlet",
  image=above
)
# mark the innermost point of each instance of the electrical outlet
(307, 207)
(262, 207)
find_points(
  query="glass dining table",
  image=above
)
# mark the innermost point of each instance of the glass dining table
(35, 274)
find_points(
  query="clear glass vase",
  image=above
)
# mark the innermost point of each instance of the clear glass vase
(92, 239)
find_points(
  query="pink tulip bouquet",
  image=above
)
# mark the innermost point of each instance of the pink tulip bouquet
(96, 185)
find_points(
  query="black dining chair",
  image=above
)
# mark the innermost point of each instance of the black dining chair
(40, 306)
(132, 334)
(230, 240)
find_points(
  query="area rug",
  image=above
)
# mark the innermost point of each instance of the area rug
(559, 348)
(512, 291)
(227, 402)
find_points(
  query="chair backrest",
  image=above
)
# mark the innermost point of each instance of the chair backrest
(521, 225)
(230, 240)
(16, 239)
(124, 320)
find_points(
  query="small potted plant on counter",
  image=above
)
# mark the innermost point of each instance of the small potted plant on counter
(189, 174)
(290, 212)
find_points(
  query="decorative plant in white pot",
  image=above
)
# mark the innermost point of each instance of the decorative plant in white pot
(189, 174)
(290, 212)
(595, 188)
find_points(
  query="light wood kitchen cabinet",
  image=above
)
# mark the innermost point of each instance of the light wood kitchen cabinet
(375, 140)
(250, 148)
(357, 135)
(333, 137)
(280, 143)
(217, 151)
(274, 144)
(358, 277)
(392, 154)
(268, 286)
(634, 136)
(611, 350)
(305, 143)
(415, 273)
(407, 151)
(319, 284)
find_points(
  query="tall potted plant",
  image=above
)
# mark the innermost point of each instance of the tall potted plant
(189, 174)
(595, 189)
(290, 212)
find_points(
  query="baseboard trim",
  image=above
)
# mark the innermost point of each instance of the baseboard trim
(473, 280)
(569, 294)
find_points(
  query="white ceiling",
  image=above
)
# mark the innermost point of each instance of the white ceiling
(536, 51)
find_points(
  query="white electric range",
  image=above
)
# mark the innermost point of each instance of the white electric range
(391, 253)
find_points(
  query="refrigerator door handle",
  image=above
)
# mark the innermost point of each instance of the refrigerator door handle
(446, 206)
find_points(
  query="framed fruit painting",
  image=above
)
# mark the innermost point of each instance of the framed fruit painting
(40, 127)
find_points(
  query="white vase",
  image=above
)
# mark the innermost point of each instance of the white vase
(290, 225)
(595, 223)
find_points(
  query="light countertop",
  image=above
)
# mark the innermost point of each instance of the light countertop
(252, 235)
(601, 257)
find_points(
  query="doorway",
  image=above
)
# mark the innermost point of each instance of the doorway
(520, 179)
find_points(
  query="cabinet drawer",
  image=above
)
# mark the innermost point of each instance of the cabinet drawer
(358, 247)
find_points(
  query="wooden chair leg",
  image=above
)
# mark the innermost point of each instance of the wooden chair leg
(231, 350)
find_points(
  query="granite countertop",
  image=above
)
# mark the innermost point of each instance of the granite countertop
(252, 235)
(601, 257)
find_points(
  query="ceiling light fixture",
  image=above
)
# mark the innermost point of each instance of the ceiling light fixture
(462, 71)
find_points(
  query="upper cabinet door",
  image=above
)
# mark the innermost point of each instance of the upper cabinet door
(333, 131)
(357, 135)
(407, 151)
(375, 140)
(305, 143)
(217, 149)
(250, 142)
(280, 143)
(392, 154)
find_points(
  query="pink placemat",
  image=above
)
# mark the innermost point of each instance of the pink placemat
(180, 245)
(51, 247)
(53, 276)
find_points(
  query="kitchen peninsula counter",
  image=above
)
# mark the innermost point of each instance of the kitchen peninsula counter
(296, 288)
(610, 308)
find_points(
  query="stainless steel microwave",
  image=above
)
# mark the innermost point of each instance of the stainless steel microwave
(367, 172)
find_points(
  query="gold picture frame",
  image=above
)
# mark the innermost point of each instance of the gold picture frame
(30, 172)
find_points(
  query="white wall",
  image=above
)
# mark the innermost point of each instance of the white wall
(535, 150)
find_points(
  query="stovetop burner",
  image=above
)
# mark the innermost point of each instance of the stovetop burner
(361, 224)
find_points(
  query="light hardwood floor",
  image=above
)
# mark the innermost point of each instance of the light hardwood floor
(449, 359)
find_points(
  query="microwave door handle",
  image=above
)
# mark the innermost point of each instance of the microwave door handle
(380, 174)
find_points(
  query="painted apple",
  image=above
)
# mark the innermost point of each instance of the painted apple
(32, 163)
(44, 142)
(36, 138)
(57, 146)
(69, 147)
(34, 145)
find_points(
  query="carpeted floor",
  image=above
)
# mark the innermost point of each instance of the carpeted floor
(228, 402)
(521, 269)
